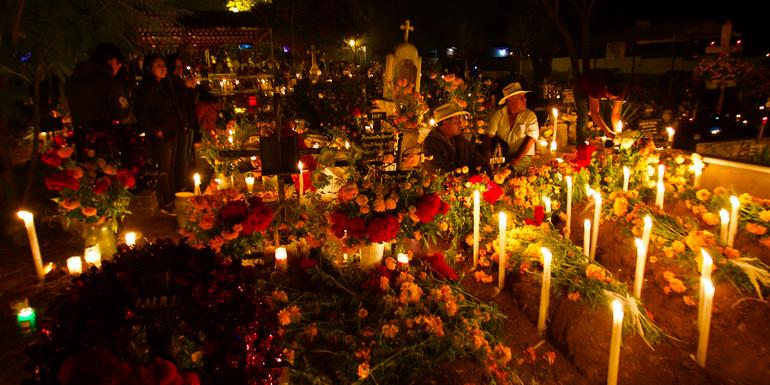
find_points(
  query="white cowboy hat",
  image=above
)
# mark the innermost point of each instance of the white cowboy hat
(447, 111)
(510, 90)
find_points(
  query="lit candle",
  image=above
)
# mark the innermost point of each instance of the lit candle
(554, 144)
(724, 216)
(197, 181)
(218, 183)
(403, 258)
(75, 265)
(697, 170)
(281, 259)
(619, 128)
(230, 139)
(661, 173)
(736, 205)
(647, 232)
(641, 258)
(705, 276)
(597, 218)
(29, 223)
(547, 204)
(661, 192)
(347, 145)
(26, 318)
(703, 337)
(626, 178)
(93, 256)
(476, 226)
(586, 237)
(670, 131)
(544, 291)
(589, 190)
(49, 267)
(501, 273)
(301, 182)
(617, 334)
(130, 239)
(249, 184)
(569, 204)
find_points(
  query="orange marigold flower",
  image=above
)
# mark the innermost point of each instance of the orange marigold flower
(764, 216)
(574, 296)
(765, 242)
(481, 276)
(703, 195)
(384, 283)
(363, 370)
(710, 219)
(288, 315)
(389, 331)
(279, 296)
(390, 263)
(363, 313)
(549, 357)
(502, 354)
(756, 229)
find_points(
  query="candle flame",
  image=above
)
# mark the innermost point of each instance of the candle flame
(708, 287)
(197, 178)
(403, 258)
(734, 201)
(617, 309)
(724, 216)
(647, 222)
(547, 256)
(706, 257)
(130, 238)
(26, 312)
(299, 165)
(619, 127)
(280, 253)
(26, 216)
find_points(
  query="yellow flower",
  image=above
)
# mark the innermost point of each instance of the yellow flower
(389, 331)
(678, 247)
(390, 204)
(363, 370)
(620, 207)
(364, 209)
(764, 216)
(756, 229)
(745, 198)
(390, 263)
(574, 296)
(362, 199)
(279, 296)
(703, 195)
(710, 219)
(502, 354)
(481, 276)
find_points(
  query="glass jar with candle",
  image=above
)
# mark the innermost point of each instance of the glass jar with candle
(103, 236)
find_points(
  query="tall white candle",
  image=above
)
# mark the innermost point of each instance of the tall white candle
(724, 217)
(641, 258)
(197, 181)
(597, 219)
(705, 276)
(626, 177)
(647, 232)
(587, 237)
(619, 128)
(554, 144)
(697, 170)
(661, 173)
(281, 259)
(249, 184)
(670, 131)
(545, 291)
(736, 205)
(703, 336)
(34, 246)
(501, 272)
(301, 182)
(547, 204)
(661, 193)
(617, 335)
(75, 265)
(569, 204)
(476, 226)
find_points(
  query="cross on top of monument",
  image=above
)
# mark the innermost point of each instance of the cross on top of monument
(724, 48)
(406, 27)
(312, 52)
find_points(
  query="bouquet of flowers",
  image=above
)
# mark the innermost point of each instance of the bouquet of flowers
(410, 107)
(228, 222)
(91, 190)
(721, 70)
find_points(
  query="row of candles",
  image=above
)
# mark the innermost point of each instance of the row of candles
(249, 180)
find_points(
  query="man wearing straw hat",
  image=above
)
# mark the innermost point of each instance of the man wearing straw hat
(515, 125)
(444, 147)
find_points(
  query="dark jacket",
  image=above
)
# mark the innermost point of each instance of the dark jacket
(157, 107)
(95, 96)
(451, 154)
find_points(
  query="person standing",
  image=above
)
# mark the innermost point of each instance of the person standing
(158, 114)
(593, 86)
(185, 93)
(516, 126)
(445, 148)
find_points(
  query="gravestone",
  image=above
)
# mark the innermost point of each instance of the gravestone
(315, 72)
(403, 64)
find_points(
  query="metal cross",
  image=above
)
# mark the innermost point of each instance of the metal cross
(406, 27)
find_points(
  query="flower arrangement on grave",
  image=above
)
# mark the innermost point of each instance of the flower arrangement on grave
(90, 189)
(228, 222)
(410, 107)
(723, 71)
(232, 135)
(387, 325)
(221, 322)
(459, 190)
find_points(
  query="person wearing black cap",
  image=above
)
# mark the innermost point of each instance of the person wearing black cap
(445, 148)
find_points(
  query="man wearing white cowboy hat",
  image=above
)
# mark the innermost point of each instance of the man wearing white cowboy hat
(515, 125)
(445, 148)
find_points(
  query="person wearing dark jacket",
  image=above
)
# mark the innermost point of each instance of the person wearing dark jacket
(445, 148)
(186, 95)
(158, 113)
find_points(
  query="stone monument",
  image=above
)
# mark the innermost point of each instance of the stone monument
(315, 72)
(403, 63)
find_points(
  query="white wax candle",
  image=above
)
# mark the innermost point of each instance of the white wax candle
(696, 178)
(724, 217)
(619, 128)
(249, 184)
(544, 291)
(705, 276)
(547, 204)
(93, 256)
(617, 334)
(301, 182)
(130, 239)
(647, 232)
(597, 219)
(589, 190)
(670, 131)
(403, 258)
(347, 145)
(75, 265)
(626, 177)
(641, 258)
(281, 259)
(34, 246)
(661, 193)
(736, 205)
(476, 226)
(569, 204)
(197, 181)
(501, 272)
(703, 336)
(218, 183)
(661, 173)
(586, 237)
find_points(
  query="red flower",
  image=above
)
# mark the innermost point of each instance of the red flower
(51, 158)
(234, 211)
(126, 178)
(383, 229)
(307, 263)
(583, 156)
(428, 206)
(538, 217)
(439, 266)
(259, 217)
(341, 223)
(492, 191)
(102, 184)
(62, 180)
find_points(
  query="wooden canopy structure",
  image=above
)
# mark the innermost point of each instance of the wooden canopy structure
(205, 30)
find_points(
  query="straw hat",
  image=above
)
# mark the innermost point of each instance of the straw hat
(510, 90)
(447, 111)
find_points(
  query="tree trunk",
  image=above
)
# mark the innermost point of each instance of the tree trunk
(586, 40)
(36, 117)
(8, 194)
(552, 11)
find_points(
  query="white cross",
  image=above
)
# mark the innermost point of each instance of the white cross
(312, 52)
(724, 48)
(406, 27)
